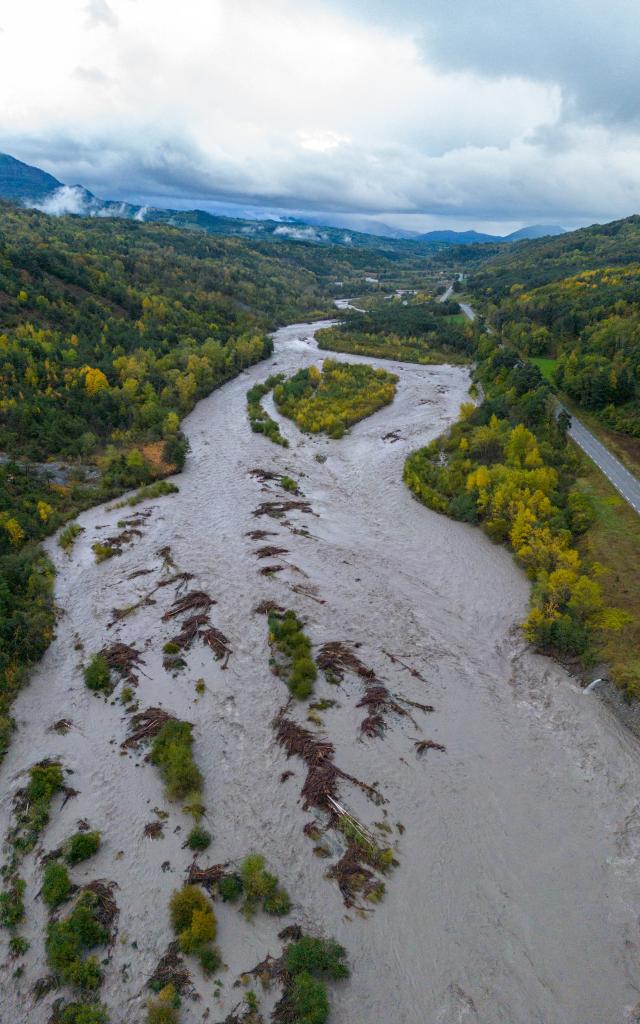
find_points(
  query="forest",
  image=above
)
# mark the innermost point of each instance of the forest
(332, 399)
(575, 299)
(416, 332)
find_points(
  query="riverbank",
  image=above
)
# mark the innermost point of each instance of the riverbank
(517, 843)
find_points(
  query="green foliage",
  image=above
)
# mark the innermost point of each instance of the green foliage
(45, 780)
(290, 485)
(316, 956)
(97, 675)
(164, 1008)
(198, 838)
(171, 752)
(287, 636)
(68, 942)
(68, 536)
(12, 903)
(81, 846)
(194, 923)
(507, 465)
(332, 400)
(56, 884)
(260, 886)
(155, 490)
(80, 1013)
(419, 332)
(230, 888)
(260, 420)
(18, 946)
(306, 1000)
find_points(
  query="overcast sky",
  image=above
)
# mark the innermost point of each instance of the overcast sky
(485, 113)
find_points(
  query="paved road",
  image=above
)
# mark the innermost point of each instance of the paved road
(445, 295)
(467, 310)
(624, 482)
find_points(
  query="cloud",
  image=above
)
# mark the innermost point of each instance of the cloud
(480, 114)
(99, 13)
(67, 199)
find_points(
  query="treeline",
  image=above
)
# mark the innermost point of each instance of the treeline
(418, 332)
(507, 466)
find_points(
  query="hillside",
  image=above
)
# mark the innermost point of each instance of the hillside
(574, 302)
(540, 261)
(20, 182)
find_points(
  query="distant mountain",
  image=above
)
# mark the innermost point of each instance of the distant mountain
(534, 231)
(21, 181)
(458, 237)
(477, 237)
(29, 186)
(32, 187)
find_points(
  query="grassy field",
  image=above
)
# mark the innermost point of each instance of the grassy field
(614, 542)
(546, 366)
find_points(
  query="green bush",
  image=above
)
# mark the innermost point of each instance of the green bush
(198, 838)
(18, 946)
(260, 886)
(164, 1008)
(68, 536)
(316, 956)
(171, 753)
(81, 846)
(56, 884)
(287, 636)
(68, 941)
(81, 1013)
(230, 888)
(194, 922)
(12, 903)
(307, 1001)
(97, 675)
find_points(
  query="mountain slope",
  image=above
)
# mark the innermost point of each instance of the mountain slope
(22, 181)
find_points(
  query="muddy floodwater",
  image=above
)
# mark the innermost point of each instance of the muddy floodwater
(516, 895)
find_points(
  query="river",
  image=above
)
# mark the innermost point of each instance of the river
(517, 895)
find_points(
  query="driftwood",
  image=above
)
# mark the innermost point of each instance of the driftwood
(123, 659)
(339, 658)
(105, 906)
(323, 776)
(276, 509)
(423, 745)
(218, 642)
(190, 601)
(208, 878)
(268, 606)
(145, 725)
(153, 830)
(395, 660)
(307, 590)
(353, 876)
(260, 534)
(264, 475)
(62, 726)
(271, 570)
(270, 551)
(379, 701)
(171, 970)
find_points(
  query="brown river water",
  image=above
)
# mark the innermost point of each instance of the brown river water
(517, 894)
